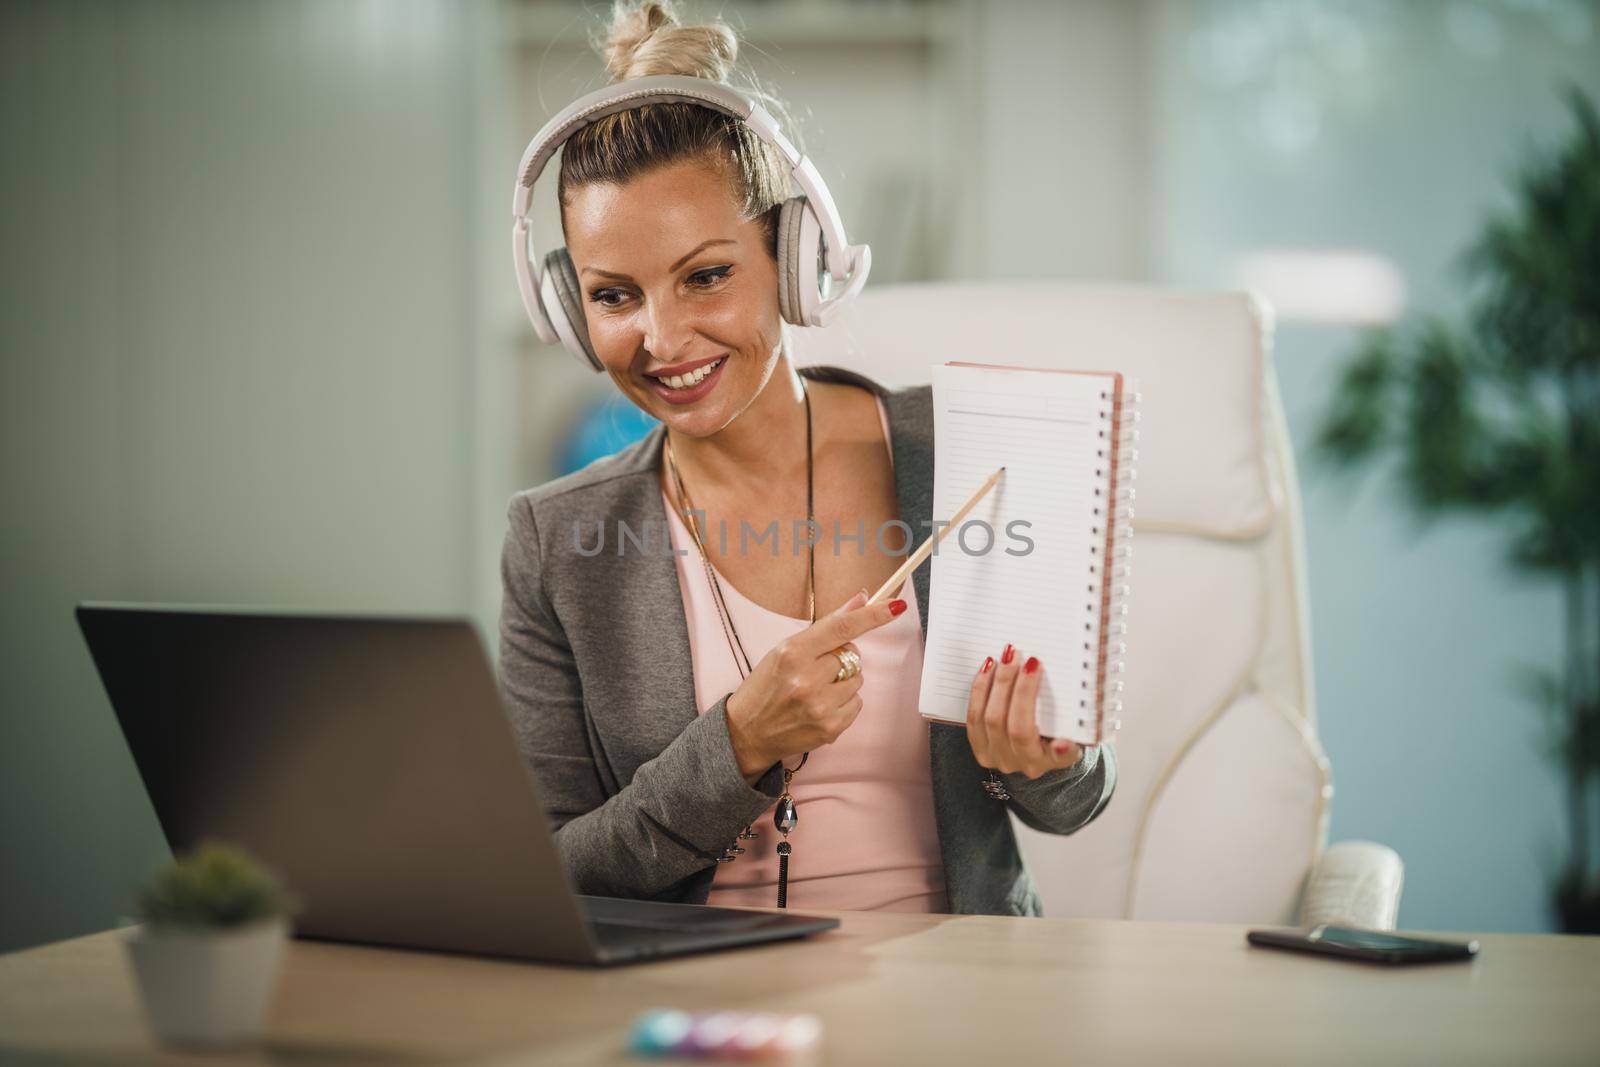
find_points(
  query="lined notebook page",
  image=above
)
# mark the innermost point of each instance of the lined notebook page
(1043, 597)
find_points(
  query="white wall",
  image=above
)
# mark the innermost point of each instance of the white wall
(243, 247)
(1062, 139)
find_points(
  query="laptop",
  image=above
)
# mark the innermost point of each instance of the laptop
(369, 763)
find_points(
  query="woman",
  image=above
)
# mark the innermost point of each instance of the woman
(666, 701)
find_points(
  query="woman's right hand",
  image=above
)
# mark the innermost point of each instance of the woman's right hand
(790, 701)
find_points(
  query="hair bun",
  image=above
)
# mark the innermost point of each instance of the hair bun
(645, 39)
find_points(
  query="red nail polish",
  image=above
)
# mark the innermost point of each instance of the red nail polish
(988, 664)
(1031, 666)
(1008, 655)
(896, 606)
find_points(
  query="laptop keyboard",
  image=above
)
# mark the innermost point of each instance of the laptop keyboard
(687, 918)
(640, 929)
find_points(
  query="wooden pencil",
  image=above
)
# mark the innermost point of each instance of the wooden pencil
(915, 559)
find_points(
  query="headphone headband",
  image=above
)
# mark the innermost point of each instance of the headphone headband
(677, 88)
(637, 92)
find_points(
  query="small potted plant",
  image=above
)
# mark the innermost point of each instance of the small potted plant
(208, 954)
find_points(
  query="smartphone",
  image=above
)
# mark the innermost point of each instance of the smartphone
(1370, 945)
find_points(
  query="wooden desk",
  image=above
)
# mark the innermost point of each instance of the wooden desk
(966, 990)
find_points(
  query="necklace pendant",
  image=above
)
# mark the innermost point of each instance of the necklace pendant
(784, 815)
(784, 850)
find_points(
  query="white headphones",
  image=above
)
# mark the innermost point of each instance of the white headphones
(813, 253)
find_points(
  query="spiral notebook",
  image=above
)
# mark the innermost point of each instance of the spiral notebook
(1054, 578)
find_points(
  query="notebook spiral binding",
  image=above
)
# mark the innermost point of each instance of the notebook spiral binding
(1118, 412)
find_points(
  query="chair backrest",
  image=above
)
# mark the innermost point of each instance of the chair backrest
(1222, 802)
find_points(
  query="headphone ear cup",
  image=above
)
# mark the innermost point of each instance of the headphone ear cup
(790, 304)
(563, 279)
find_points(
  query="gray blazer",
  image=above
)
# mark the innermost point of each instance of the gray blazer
(595, 671)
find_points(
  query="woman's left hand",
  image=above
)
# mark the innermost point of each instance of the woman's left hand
(1001, 724)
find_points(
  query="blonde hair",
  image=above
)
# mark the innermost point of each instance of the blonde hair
(646, 39)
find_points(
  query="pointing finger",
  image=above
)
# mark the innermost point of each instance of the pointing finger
(849, 622)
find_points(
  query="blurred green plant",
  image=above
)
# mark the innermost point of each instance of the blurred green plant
(217, 886)
(1501, 414)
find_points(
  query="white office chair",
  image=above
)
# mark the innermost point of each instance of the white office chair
(1221, 810)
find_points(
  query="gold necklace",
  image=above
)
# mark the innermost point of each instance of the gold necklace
(785, 816)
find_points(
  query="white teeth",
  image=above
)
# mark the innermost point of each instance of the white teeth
(694, 377)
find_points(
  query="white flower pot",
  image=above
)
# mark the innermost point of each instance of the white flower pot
(208, 987)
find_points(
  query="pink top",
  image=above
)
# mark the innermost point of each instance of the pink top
(865, 838)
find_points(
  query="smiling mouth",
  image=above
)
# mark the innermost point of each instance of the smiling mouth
(689, 378)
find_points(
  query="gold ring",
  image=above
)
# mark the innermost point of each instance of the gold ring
(849, 663)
